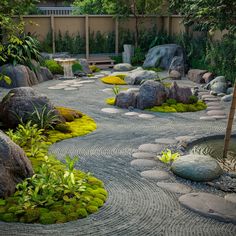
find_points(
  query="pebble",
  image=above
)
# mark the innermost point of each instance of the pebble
(146, 116)
(111, 110)
(155, 174)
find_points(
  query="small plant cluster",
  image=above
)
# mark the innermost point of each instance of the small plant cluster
(168, 157)
(57, 192)
(53, 66)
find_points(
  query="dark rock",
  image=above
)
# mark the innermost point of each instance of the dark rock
(162, 56)
(152, 93)
(126, 99)
(196, 167)
(180, 94)
(21, 102)
(196, 75)
(85, 66)
(14, 166)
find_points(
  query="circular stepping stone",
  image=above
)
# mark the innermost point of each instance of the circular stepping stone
(68, 81)
(143, 155)
(219, 117)
(216, 113)
(155, 174)
(131, 113)
(76, 85)
(86, 81)
(146, 116)
(175, 187)
(214, 99)
(231, 197)
(166, 140)
(111, 110)
(212, 103)
(207, 96)
(210, 108)
(56, 87)
(143, 163)
(70, 89)
(207, 118)
(149, 147)
(210, 205)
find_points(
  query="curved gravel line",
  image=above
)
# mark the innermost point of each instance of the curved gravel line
(135, 206)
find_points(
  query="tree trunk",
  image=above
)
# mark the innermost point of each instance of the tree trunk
(230, 123)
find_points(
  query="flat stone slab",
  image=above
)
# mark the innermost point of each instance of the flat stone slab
(210, 205)
(76, 85)
(184, 138)
(213, 103)
(70, 89)
(210, 108)
(133, 90)
(69, 81)
(155, 174)
(219, 117)
(143, 155)
(207, 118)
(149, 147)
(143, 163)
(175, 187)
(111, 110)
(57, 87)
(132, 113)
(86, 81)
(207, 96)
(166, 140)
(216, 113)
(214, 99)
(108, 90)
(146, 116)
(231, 197)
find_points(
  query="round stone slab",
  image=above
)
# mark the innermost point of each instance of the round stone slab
(155, 174)
(111, 110)
(207, 96)
(166, 140)
(212, 104)
(86, 81)
(149, 147)
(209, 108)
(216, 113)
(132, 113)
(231, 197)
(146, 116)
(70, 89)
(210, 205)
(207, 118)
(175, 187)
(143, 155)
(76, 85)
(56, 87)
(143, 163)
(219, 117)
(196, 167)
(213, 99)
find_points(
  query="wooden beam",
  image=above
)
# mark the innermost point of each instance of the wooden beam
(53, 34)
(230, 123)
(117, 36)
(87, 36)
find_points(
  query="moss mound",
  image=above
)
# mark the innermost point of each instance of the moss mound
(110, 101)
(113, 80)
(53, 66)
(57, 193)
(179, 107)
(69, 114)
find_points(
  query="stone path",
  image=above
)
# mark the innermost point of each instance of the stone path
(136, 206)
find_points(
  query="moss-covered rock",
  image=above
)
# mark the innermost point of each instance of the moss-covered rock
(113, 80)
(72, 216)
(62, 127)
(53, 66)
(69, 114)
(9, 217)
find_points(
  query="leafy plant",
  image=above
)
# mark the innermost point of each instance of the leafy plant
(53, 66)
(76, 67)
(167, 156)
(116, 89)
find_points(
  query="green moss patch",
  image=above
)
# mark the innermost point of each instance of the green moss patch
(57, 192)
(110, 101)
(113, 80)
(179, 107)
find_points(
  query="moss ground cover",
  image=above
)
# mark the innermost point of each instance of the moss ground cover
(110, 101)
(57, 192)
(113, 80)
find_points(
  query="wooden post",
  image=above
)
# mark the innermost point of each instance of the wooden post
(117, 36)
(230, 123)
(87, 36)
(53, 34)
(169, 25)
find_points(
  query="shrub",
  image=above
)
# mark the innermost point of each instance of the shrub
(82, 213)
(113, 80)
(53, 66)
(171, 101)
(193, 99)
(167, 156)
(76, 67)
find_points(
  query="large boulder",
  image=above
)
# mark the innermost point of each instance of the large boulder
(218, 85)
(21, 103)
(151, 93)
(180, 94)
(196, 75)
(22, 76)
(196, 167)
(123, 67)
(126, 99)
(85, 66)
(14, 166)
(163, 55)
(135, 77)
(178, 64)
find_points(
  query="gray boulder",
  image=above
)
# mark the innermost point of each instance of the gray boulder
(14, 166)
(230, 90)
(85, 66)
(196, 75)
(123, 67)
(135, 77)
(126, 99)
(180, 94)
(151, 93)
(175, 75)
(227, 98)
(21, 102)
(196, 167)
(178, 64)
(218, 85)
(162, 56)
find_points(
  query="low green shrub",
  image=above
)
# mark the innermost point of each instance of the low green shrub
(53, 66)
(167, 156)
(171, 101)
(76, 67)
(193, 99)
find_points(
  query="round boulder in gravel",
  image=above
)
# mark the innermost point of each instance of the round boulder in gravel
(14, 166)
(175, 187)
(123, 67)
(210, 205)
(143, 163)
(196, 167)
(155, 174)
(218, 85)
(126, 99)
(227, 98)
(230, 90)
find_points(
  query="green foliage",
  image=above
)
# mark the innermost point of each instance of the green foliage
(94, 68)
(116, 89)
(53, 66)
(117, 59)
(110, 101)
(167, 156)
(139, 56)
(76, 67)
(46, 45)
(193, 99)
(171, 101)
